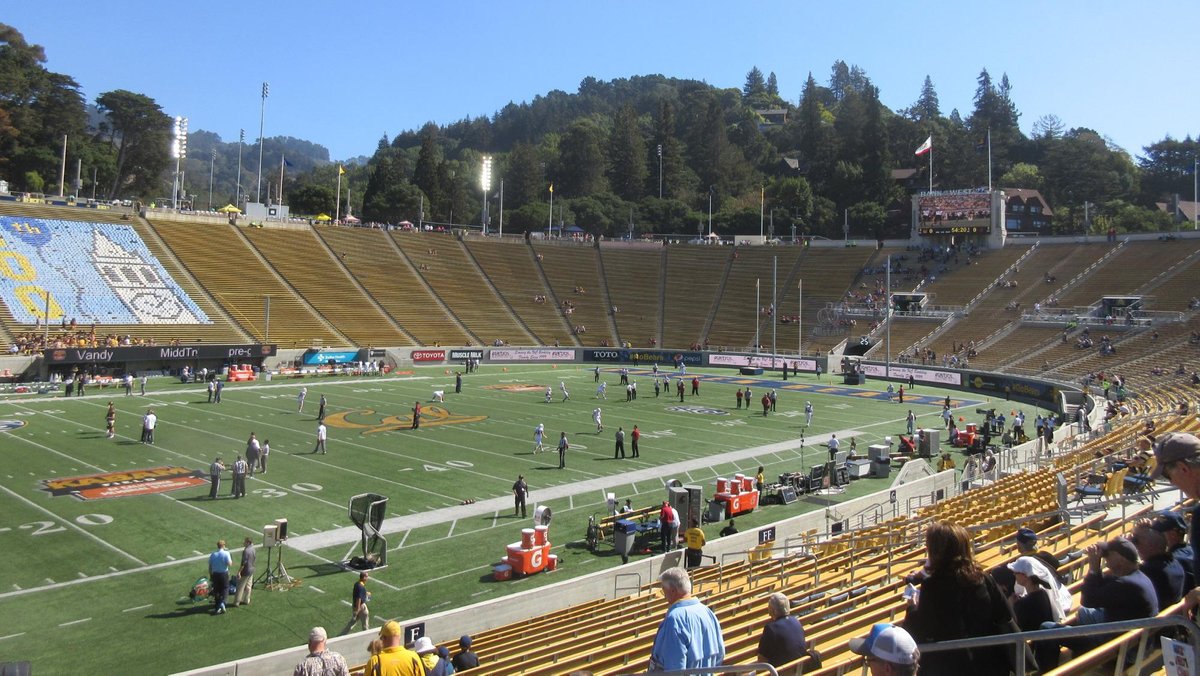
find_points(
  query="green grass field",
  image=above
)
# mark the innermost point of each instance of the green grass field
(115, 572)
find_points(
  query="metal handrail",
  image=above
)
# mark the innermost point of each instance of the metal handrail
(1017, 640)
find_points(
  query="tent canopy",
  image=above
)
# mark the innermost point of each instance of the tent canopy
(350, 218)
(322, 217)
(229, 209)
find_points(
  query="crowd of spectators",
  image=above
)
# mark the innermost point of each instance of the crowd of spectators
(33, 342)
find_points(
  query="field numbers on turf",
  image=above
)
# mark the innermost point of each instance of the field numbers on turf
(269, 492)
(730, 423)
(307, 488)
(48, 527)
(368, 389)
(657, 434)
(52, 411)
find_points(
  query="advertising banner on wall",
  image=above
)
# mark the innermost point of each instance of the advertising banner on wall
(638, 356)
(428, 355)
(760, 361)
(1020, 389)
(112, 355)
(920, 375)
(466, 353)
(530, 354)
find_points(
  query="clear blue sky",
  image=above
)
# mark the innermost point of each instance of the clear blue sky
(344, 73)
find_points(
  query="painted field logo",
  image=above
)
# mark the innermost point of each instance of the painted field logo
(516, 387)
(370, 422)
(699, 410)
(10, 425)
(125, 484)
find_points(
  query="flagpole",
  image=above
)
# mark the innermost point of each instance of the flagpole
(762, 204)
(931, 168)
(338, 206)
(1195, 194)
(757, 307)
(280, 195)
(551, 233)
(800, 318)
(774, 306)
(989, 142)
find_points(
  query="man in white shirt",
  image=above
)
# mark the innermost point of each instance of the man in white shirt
(321, 435)
(833, 445)
(149, 421)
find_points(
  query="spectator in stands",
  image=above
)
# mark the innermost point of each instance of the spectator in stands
(1164, 571)
(689, 637)
(1178, 459)
(394, 659)
(957, 600)
(320, 661)
(1039, 598)
(694, 537)
(782, 638)
(1125, 593)
(1174, 529)
(432, 662)
(890, 651)
(465, 659)
(1026, 541)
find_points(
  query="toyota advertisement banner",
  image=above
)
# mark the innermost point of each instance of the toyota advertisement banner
(918, 374)
(428, 355)
(760, 361)
(530, 354)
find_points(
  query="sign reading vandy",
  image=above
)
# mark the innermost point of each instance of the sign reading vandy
(164, 353)
(126, 483)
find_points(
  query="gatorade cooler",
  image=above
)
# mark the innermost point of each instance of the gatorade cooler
(502, 572)
(541, 536)
(528, 539)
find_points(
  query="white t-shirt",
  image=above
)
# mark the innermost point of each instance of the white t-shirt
(149, 421)
(320, 432)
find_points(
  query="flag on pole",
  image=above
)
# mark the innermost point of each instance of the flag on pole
(925, 147)
(341, 170)
(551, 188)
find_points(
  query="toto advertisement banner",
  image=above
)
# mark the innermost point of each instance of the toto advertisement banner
(919, 375)
(102, 355)
(760, 361)
(1020, 389)
(466, 354)
(428, 355)
(530, 354)
(642, 356)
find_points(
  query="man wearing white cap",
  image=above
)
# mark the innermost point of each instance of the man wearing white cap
(434, 665)
(321, 661)
(890, 651)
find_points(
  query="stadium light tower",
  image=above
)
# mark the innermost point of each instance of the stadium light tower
(485, 181)
(241, 142)
(179, 152)
(262, 114)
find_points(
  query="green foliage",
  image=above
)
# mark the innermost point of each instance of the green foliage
(34, 181)
(627, 156)
(137, 132)
(868, 216)
(1022, 175)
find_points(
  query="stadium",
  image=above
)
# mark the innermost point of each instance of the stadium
(439, 353)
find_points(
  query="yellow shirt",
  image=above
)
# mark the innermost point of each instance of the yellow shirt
(694, 538)
(397, 661)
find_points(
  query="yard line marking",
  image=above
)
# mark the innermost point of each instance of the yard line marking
(482, 591)
(346, 556)
(404, 539)
(113, 568)
(136, 608)
(197, 552)
(452, 525)
(67, 624)
(319, 591)
(495, 516)
(12, 636)
(347, 602)
(17, 587)
(71, 524)
(81, 574)
(171, 558)
(571, 502)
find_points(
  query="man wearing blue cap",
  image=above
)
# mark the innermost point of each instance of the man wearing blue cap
(890, 651)
(465, 659)
(1177, 457)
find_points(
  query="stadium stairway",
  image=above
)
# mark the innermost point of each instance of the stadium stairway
(511, 269)
(378, 266)
(443, 264)
(634, 279)
(691, 290)
(572, 270)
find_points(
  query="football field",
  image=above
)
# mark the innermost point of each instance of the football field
(101, 539)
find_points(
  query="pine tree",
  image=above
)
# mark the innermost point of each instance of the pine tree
(427, 173)
(627, 155)
(926, 108)
(772, 86)
(673, 166)
(755, 85)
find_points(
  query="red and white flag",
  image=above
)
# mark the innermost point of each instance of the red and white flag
(925, 147)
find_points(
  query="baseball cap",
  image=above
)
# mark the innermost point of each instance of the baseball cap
(1121, 546)
(887, 642)
(317, 634)
(1027, 535)
(1168, 521)
(465, 641)
(1173, 448)
(391, 628)
(423, 645)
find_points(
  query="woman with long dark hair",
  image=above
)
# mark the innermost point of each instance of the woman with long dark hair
(957, 599)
